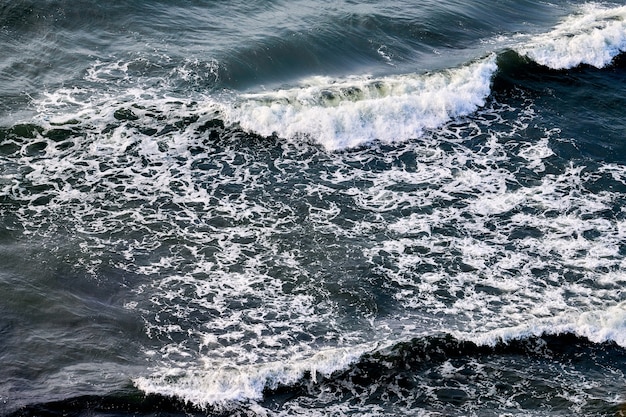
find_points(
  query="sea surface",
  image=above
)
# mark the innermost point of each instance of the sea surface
(312, 208)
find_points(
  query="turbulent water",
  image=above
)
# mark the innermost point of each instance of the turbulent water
(273, 208)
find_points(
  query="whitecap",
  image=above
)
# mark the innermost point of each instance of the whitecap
(594, 37)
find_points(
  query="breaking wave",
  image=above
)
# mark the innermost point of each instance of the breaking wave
(594, 36)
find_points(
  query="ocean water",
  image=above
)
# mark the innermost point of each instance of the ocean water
(312, 208)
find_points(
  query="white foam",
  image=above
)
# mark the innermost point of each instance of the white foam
(347, 113)
(594, 37)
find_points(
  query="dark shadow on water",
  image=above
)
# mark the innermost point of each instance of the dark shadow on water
(123, 404)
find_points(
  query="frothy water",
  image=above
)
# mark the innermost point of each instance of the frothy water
(321, 245)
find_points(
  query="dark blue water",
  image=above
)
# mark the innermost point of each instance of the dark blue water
(312, 208)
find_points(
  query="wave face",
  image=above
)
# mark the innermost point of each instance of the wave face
(354, 209)
(347, 113)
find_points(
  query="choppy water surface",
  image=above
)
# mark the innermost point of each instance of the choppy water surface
(306, 208)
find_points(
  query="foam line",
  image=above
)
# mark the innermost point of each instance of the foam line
(231, 385)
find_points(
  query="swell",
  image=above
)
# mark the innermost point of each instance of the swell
(343, 112)
(428, 351)
(594, 36)
(347, 112)
(443, 374)
(436, 372)
(377, 38)
(283, 40)
(518, 71)
(591, 344)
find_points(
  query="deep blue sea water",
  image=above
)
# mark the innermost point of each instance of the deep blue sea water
(312, 208)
